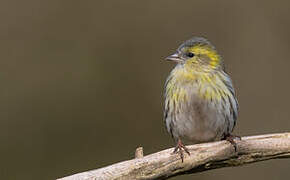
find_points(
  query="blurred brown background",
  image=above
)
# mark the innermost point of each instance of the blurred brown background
(82, 81)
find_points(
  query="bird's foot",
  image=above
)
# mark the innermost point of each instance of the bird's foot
(231, 138)
(180, 148)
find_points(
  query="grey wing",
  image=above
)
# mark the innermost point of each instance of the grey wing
(233, 105)
(166, 114)
(168, 118)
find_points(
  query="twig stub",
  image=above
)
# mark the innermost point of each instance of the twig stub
(139, 152)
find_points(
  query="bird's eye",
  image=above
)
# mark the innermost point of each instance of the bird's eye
(189, 54)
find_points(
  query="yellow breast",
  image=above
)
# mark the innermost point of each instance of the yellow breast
(181, 84)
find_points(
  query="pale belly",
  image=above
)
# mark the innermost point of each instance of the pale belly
(198, 122)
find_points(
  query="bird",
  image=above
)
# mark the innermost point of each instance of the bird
(200, 100)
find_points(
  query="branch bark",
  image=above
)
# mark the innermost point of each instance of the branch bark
(164, 164)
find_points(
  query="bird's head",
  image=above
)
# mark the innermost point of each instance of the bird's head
(197, 53)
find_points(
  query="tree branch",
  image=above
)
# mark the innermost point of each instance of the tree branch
(164, 164)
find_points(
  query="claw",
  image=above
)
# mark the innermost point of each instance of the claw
(230, 138)
(180, 148)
